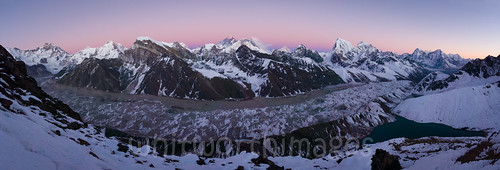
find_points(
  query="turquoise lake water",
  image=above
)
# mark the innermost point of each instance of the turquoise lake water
(403, 127)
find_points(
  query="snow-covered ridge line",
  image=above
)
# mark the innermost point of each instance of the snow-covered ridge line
(244, 64)
(231, 44)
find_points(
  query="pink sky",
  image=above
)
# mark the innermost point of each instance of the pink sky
(469, 28)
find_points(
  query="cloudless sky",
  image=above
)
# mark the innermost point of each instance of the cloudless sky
(470, 28)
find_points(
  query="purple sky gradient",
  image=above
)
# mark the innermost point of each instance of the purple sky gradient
(470, 28)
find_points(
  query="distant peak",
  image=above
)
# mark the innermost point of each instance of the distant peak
(438, 51)
(418, 51)
(284, 49)
(180, 45)
(342, 45)
(230, 38)
(227, 41)
(362, 43)
(113, 45)
(48, 45)
(143, 38)
(340, 40)
(301, 46)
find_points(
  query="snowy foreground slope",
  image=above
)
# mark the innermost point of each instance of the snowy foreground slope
(475, 107)
(469, 98)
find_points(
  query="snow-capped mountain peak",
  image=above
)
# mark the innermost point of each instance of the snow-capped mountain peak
(177, 45)
(252, 43)
(418, 52)
(285, 49)
(366, 47)
(228, 41)
(144, 38)
(342, 46)
(113, 45)
(108, 50)
(48, 54)
(49, 46)
(301, 47)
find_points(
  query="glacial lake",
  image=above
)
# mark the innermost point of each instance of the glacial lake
(403, 127)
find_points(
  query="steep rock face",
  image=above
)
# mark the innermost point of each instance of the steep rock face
(38, 70)
(487, 67)
(155, 68)
(168, 73)
(173, 77)
(282, 78)
(16, 85)
(145, 51)
(430, 79)
(302, 51)
(102, 74)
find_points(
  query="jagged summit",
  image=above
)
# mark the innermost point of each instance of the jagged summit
(487, 67)
(49, 45)
(149, 57)
(143, 38)
(285, 49)
(228, 41)
(48, 54)
(342, 46)
(231, 45)
(437, 59)
(108, 50)
(300, 48)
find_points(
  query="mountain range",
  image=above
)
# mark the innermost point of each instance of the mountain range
(230, 69)
(42, 132)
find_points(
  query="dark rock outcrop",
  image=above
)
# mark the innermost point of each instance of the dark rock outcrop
(487, 67)
(102, 74)
(38, 70)
(382, 160)
(173, 77)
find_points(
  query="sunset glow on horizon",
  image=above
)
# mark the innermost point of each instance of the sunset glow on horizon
(468, 28)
